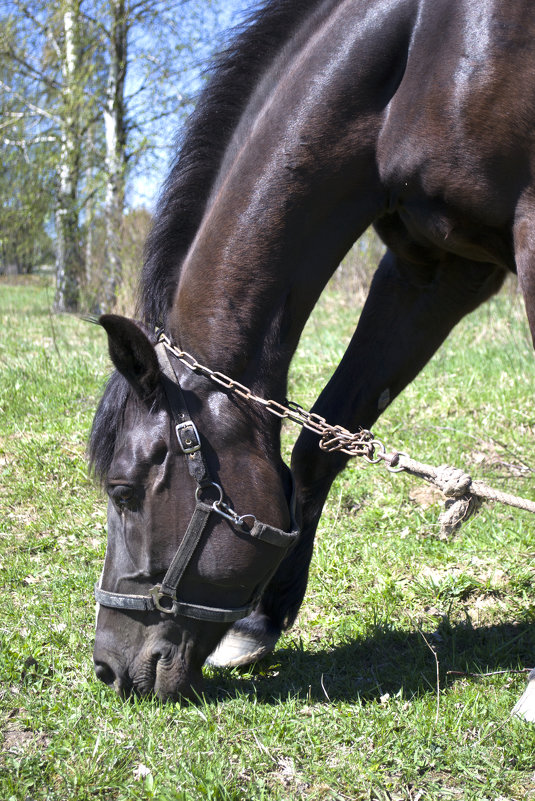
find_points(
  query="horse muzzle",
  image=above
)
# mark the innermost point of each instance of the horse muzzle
(160, 668)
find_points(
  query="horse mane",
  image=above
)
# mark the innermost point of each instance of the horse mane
(233, 77)
(108, 420)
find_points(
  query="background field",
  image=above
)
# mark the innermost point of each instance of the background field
(348, 707)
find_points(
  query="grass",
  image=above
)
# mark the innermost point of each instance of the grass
(348, 707)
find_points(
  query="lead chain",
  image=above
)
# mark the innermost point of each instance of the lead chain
(332, 438)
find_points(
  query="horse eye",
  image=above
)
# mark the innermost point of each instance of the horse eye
(124, 497)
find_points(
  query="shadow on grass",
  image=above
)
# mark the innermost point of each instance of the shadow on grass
(386, 662)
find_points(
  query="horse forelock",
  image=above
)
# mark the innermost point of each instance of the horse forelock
(107, 424)
(233, 77)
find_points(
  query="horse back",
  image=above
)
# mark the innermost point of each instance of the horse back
(455, 150)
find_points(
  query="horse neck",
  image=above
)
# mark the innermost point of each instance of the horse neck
(250, 284)
(281, 215)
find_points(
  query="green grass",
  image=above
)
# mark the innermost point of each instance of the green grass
(348, 707)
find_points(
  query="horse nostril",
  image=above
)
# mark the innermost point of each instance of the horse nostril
(104, 673)
(113, 678)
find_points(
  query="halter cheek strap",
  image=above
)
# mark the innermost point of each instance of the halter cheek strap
(163, 597)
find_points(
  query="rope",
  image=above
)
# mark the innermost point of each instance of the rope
(464, 495)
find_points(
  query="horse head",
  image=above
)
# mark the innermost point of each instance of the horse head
(181, 564)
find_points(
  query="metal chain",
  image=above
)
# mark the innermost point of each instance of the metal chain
(332, 438)
(339, 439)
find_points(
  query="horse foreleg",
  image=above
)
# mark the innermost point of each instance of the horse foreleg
(403, 322)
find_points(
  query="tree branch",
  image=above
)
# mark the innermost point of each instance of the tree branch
(31, 106)
(25, 143)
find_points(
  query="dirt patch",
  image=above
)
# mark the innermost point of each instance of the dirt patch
(16, 737)
(488, 458)
(14, 279)
(426, 496)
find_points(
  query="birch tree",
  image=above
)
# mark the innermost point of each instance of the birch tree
(41, 49)
(101, 79)
(150, 47)
(116, 138)
(68, 256)
(25, 188)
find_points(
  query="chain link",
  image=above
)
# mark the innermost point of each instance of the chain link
(332, 438)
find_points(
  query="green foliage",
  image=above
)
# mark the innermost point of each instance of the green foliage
(26, 179)
(353, 277)
(24, 211)
(348, 706)
(91, 96)
(135, 226)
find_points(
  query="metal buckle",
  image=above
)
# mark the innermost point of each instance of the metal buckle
(223, 509)
(193, 442)
(156, 594)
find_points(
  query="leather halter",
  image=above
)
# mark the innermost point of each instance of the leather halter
(163, 597)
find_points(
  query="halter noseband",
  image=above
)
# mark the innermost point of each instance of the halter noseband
(163, 597)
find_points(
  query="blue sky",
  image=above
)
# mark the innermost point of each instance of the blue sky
(145, 185)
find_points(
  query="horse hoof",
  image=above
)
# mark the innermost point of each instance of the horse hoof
(525, 707)
(240, 648)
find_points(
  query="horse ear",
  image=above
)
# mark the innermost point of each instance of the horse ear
(132, 353)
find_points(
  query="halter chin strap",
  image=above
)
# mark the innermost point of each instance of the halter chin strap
(163, 597)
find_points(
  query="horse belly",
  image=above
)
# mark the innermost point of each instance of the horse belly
(420, 230)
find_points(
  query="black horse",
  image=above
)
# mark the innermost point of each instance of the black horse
(326, 116)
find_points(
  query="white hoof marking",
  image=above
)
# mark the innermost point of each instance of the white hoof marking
(525, 707)
(237, 648)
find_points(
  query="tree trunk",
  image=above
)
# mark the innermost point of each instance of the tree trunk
(68, 256)
(115, 129)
